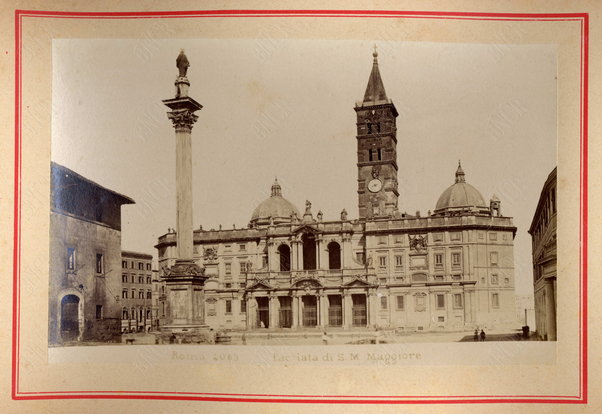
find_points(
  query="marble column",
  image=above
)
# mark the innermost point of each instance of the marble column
(295, 310)
(274, 311)
(347, 311)
(323, 309)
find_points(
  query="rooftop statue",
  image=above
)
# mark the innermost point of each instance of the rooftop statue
(182, 63)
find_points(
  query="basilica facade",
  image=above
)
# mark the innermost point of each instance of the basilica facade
(450, 270)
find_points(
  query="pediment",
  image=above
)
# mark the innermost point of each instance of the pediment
(260, 286)
(307, 283)
(306, 228)
(357, 282)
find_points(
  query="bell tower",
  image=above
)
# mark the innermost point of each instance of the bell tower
(376, 150)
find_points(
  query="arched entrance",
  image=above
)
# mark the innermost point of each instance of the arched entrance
(334, 255)
(70, 318)
(285, 258)
(309, 251)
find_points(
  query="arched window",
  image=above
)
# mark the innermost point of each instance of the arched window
(124, 314)
(285, 258)
(334, 255)
(309, 251)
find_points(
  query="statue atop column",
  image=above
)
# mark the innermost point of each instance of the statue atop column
(182, 63)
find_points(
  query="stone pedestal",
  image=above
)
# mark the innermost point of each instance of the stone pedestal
(186, 315)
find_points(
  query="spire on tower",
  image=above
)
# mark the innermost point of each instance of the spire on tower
(375, 91)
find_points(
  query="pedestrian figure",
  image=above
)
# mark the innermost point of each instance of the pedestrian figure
(482, 335)
(476, 335)
(244, 338)
(324, 338)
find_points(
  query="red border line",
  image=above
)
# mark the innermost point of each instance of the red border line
(266, 398)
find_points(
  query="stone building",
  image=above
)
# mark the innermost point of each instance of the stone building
(543, 234)
(136, 292)
(452, 269)
(85, 253)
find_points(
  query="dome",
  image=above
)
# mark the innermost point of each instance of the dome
(460, 196)
(276, 207)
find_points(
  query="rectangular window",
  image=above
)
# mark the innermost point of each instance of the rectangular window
(243, 306)
(456, 259)
(141, 279)
(228, 247)
(148, 280)
(133, 279)
(133, 294)
(141, 294)
(132, 265)
(124, 278)
(228, 268)
(98, 311)
(493, 257)
(242, 247)
(228, 285)
(148, 266)
(441, 319)
(400, 302)
(124, 264)
(228, 306)
(124, 294)
(243, 267)
(438, 259)
(140, 266)
(382, 262)
(493, 236)
(383, 302)
(440, 301)
(100, 263)
(398, 261)
(148, 294)
(359, 256)
(70, 258)
(494, 279)
(495, 300)
(458, 300)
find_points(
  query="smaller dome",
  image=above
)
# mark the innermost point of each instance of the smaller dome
(276, 208)
(460, 196)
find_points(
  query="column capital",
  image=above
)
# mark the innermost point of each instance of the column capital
(182, 120)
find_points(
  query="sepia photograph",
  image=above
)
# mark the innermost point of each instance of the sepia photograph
(278, 191)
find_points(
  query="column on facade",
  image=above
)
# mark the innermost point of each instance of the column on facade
(323, 309)
(274, 311)
(346, 256)
(251, 312)
(300, 255)
(322, 255)
(550, 310)
(347, 313)
(272, 257)
(294, 255)
(467, 307)
(295, 310)
(372, 306)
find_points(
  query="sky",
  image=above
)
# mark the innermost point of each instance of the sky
(284, 108)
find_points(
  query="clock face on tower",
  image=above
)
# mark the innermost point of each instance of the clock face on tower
(375, 185)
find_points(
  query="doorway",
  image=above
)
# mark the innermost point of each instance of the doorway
(70, 318)
(310, 311)
(358, 309)
(335, 310)
(286, 311)
(263, 312)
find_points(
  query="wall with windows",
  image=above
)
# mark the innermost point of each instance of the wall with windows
(136, 292)
(85, 258)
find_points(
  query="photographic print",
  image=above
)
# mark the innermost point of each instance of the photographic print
(274, 192)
